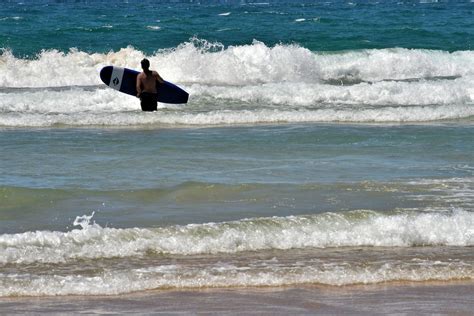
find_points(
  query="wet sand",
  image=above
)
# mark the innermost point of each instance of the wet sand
(411, 298)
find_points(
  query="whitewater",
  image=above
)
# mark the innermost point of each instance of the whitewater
(247, 84)
(224, 254)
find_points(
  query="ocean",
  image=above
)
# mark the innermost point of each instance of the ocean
(325, 144)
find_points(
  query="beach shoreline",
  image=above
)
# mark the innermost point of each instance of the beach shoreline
(392, 298)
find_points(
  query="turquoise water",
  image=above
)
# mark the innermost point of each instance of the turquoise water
(137, 178)
(29, 27)
(323, 143)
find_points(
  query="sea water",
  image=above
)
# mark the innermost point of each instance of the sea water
(324, 142)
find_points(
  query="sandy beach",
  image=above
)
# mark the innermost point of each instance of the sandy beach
(401, 299)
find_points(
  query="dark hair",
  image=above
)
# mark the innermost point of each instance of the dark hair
(145, 64)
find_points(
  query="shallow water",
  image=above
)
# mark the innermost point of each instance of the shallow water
(240, 206)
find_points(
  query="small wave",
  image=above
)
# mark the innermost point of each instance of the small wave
(266, 273)
(330, 249)
(124, 113)
(351, 229)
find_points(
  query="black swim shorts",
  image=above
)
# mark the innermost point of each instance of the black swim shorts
(149, 101)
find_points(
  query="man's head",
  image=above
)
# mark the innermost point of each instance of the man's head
(145, 64)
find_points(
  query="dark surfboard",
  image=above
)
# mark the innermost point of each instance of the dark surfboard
(124, 80)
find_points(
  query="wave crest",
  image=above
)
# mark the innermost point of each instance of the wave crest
(351, 229)
(203, 62)
(242, 84)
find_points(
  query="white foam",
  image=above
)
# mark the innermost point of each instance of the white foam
(398, 114)
(353, 229)
(454, 191)
(125, 111)
(53, 68)
(154, 27)
(202, 62)
(15, 18)
(267, 103)
(111, 282)
(359, 228)
(284, 83)
(378, 94)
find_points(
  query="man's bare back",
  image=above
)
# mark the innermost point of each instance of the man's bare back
(146, 87)
(146, 82)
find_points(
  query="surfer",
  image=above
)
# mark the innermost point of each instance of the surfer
(146, 87)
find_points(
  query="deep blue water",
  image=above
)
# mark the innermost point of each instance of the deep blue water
(27, 27)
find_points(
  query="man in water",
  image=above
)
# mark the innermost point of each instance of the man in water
(146, 87)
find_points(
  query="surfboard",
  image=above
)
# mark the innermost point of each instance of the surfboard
(124, 80)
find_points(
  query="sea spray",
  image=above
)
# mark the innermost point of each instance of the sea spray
(84, 221)
(202, 62)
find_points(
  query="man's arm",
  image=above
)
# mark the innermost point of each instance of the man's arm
(158, 77)
(139, 85)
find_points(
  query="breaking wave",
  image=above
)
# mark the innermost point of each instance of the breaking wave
(351, 229)
(244, 84)
(274, 251)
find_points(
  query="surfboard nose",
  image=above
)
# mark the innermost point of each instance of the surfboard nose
(105, 74)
